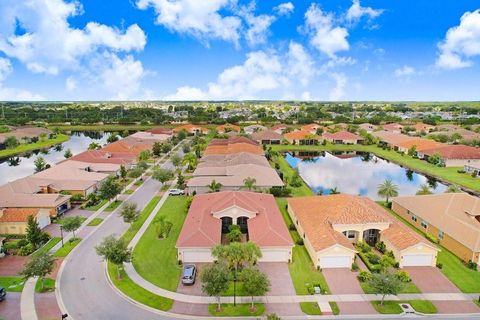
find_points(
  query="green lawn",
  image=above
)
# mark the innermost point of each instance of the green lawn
(240, 310)
(114, 205)
(67, 248)
(12, 284)
(310, 308)
(393, 307)
(48, 285)
(138, 183)
(128, 236)
(156, 259)
(97, 206)
(408, 287)
(335, 308)
(95, 222)
(46, 247)
(129, 191)
(303, 190)
(60, 138)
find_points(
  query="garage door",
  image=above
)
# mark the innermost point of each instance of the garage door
(417, 260)
(336, 262)
(43, 221)
(274, 256)
(196, 256)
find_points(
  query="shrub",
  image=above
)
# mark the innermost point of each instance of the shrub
(21, 243)
(77, 198)
(461, 171)
(291, 227)
(403, 276)
(431, 238)
(381, 246)
(439, 265)
(26, 250)
(373, 258)
(396, 265)
(472, 265)
(390, 254)
(355, 267)
(364, 247)
(300, 242)
(280, 191)
(364, 276)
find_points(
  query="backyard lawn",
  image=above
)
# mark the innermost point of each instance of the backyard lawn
(303, 190)
(156, 259)
(12, 284)
(241, 309)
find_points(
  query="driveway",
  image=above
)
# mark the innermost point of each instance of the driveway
(279, 276)
(10, 307)
(456, 307)
(54, 229)
(46, 306)
(12, 265)
(431, 280)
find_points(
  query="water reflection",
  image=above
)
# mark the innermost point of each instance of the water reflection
(357, 173)
(21, 166)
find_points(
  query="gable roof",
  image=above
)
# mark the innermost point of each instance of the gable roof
(301, 135)
(341, 135)
(223, 160)
(266, 135)
(190, 127)
(223, 127)
(457, 151)
(420, 144)
(103, 156)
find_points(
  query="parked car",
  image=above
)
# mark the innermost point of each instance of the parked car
(176, 192)
(3, 293)
(189, 273)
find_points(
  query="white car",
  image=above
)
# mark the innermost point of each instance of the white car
(176, 192)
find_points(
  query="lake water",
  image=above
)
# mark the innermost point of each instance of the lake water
(21, 166)
(356, 173)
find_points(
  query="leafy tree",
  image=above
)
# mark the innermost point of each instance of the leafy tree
(435, 159)
(453, 189)
(215, 186)
(176, 160)
(123, 172)
(11, 142)
(40, 164)
(412, 151)
(182, 135)
(233, 254)
(296, 180)
(424, 190)
(94, 146)
(215, 280)
(387, 189)
(71, 224)
(34, 233)
(67, 154)
(273, 316)
(255, 282)
(129, 212)
(234, 234)
(385, 284)
(166, 147)
(135, 173)
(113, 137)
(162, 175)
(38, 266)
(144, 155)
(386, 262)
(109, 189)
(157, 148)
(181, 184)
(250, 183)
(114, 250)
(190, 160)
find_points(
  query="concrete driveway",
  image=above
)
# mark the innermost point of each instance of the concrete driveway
(10, 307)
(431, 280)
(279, 276)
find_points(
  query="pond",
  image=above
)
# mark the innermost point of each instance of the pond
(22, 165)
(356, 173)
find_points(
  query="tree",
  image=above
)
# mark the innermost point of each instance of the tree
(38, 266)
(176, 160)
(162, 175)
(70, 224)
(157, 148)
(129, 212)
(385, 283)
(94, 146)
(181, 181)
(190, 160)
(109, 189)
(435, 159)
(67, 154)
(11, 142)
(166, 147)
(386, 262)
(252, 253)
(424, 190)
(215, 280)
(234, 234)
(144, 155)
(34, 233)
(113, 137)
(40, 164)
(215, 186)
(250, 183)
(163, 227)
(123, 172)
(255, 283)
(233, 254)
(453, 189)
(387, 189)
(412, 151)
(114, 250)
(334, 190)
(135, 173)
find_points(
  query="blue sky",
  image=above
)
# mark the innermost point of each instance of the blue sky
(234, 49)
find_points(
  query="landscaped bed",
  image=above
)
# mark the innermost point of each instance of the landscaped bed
(241, 309)
(97, 206)
(114, 205)
(95, 222)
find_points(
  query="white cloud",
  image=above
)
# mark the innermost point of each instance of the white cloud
(187, 93)
(201, 19)
(338, 91)
(11, 94)
(324, 35)
(356, 12)
(284, 8)
(5, 68)
(300, 63)
(461, 43)
(404, 71)
(306, 96)
(258, 28)
(71, 84)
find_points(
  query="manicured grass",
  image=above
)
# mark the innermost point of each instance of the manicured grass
(393, 307)
(61, 220)
(11, 244)
(67, 248)
(48, 285)
(129, 191)
(101, 127)
(303, 190)
(156, 259)
(137, 293)
(242, 309)
(128, 236)
(448, 174)
(138, 183)
(97, 206)
(408, 287)
(60, 138)
(95, 222)
(46, 247)
(335, 308)
(423, 306)
(310, 308)
(114, 205)
(12, 284)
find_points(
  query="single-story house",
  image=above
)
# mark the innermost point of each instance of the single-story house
(279, 128)
(453, 155)
(233, 148)
(14, 220)
(267, 137)
(473, 169)
(129, 145)
(330, 225)
(225, 160)
(102, 156)
(392, 139)
(232, 140)
(224, 128)
(301, 137)
(419, 143)
(155, 137)
(191, 129)
(452, 218)
(161, 130)
(419, 127)
(312, 128)
(368, 127)
(210, 216)
(254, 128)
(342, 137)
(393, 127)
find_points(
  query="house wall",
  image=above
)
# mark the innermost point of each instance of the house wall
(460, 162)
(13, 227)
(205, 189)
(448, 242)
(339, 251)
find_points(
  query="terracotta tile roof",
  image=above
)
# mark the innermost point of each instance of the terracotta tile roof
(368, 126)
(232, 140)
(422, 127)
(161, 130)
(392, 127)
(392, 138)
(17, 214)
(342, 135)
(156, 137)
(202, 229)
(300, 135)
(453, 213)
(190, 128)
(420, 144)
(266, 135)
(223, 127)
(232, 159)
(454, 152)
(311, 127)
(127, 146)
(102, 156)
(279, 126)
(233, 148)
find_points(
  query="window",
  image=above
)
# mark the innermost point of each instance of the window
(350, 234)
(414, 217)
(408, 212)
(440, 234)
(424, 224)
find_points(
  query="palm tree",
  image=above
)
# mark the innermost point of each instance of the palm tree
(215, 186)
(334, 191)
(387, 190)
(453, 188)
(424, 190)
(250, 183)
(190, 159)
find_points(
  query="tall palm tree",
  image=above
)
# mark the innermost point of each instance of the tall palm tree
(334, 191)
(191, 160)
(424, 190)
(250, 183)
(387, 189)
(215, 186)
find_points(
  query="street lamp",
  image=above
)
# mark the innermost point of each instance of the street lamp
(235, 288)
(61, 233)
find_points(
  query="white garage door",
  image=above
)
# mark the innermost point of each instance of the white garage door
(43, 221)
(280, 255)
(196, 256)
(417, 260)
(336, 262)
